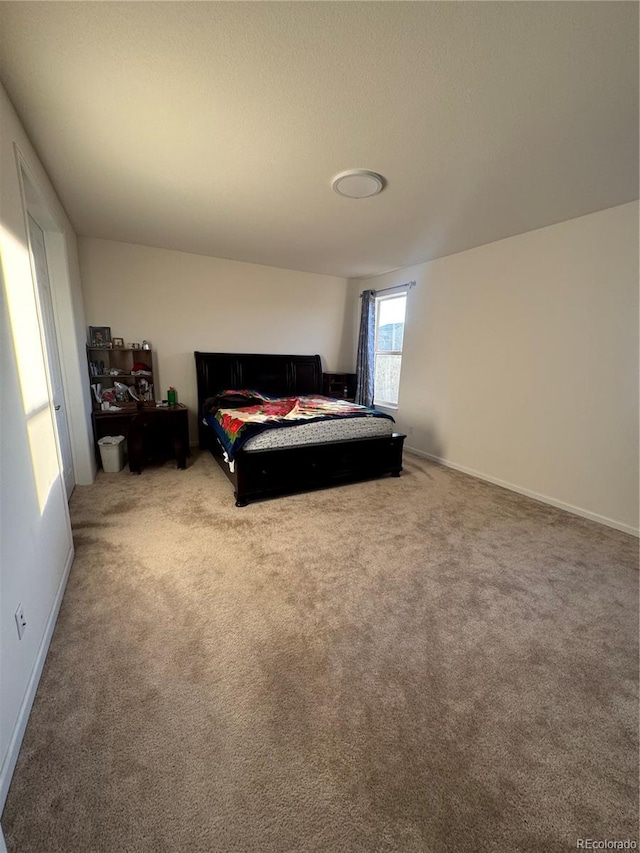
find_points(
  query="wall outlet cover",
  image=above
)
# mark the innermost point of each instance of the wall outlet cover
(21, 622)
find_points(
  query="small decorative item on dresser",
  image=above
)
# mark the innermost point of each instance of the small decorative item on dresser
(134, 346)
(146, 345)
(172, 397)
(118, 343)
(100, 336)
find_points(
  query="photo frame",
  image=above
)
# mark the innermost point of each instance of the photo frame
(118, 343)
(100, 336)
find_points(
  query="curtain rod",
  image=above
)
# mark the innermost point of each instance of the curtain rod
(406, 286)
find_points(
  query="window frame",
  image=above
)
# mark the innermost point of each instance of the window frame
(399, 292)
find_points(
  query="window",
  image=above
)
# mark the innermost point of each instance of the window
(390, 311)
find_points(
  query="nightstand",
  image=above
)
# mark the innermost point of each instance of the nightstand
(340, 385)
(158, 431)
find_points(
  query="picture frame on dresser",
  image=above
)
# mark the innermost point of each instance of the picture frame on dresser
(100, 336)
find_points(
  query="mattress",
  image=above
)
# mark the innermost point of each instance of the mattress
(317, 432)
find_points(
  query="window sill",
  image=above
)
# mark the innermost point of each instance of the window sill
(385, 406)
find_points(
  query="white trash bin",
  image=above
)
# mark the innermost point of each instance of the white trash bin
(112, 453)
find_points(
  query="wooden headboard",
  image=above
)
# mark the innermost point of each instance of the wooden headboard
(277, 375)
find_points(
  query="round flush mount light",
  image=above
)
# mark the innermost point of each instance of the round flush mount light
(358, 183)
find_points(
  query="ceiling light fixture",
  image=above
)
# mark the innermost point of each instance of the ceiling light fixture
(358, 183)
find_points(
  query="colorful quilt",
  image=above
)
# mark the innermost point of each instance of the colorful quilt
(235, 426)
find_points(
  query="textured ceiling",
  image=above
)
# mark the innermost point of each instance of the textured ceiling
(216, 128)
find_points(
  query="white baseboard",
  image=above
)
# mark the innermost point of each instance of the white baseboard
(576, 510)
(9, 763)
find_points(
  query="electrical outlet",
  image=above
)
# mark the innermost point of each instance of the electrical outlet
(21, 622)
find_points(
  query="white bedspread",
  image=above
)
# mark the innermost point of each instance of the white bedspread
(319, 431)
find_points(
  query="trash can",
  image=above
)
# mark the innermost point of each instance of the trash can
(112, 453)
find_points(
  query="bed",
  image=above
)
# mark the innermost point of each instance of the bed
(264, 472)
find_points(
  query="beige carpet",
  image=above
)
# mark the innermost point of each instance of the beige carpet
(428, 663)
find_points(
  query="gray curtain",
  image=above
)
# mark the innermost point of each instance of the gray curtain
(366, 354)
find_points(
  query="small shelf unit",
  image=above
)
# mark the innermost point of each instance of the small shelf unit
(101, 361)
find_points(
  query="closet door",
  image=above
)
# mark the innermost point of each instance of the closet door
(38, 251)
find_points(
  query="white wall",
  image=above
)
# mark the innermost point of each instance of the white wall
(35, 535)
(521, 362)
(183, 302)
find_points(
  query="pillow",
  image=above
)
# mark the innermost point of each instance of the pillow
(234, 399)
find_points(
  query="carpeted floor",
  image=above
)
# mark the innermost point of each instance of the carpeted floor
(415, 665)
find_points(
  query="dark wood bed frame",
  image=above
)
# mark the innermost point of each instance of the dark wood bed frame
(267, 473)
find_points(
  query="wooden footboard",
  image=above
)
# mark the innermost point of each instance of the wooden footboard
(267, 473)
